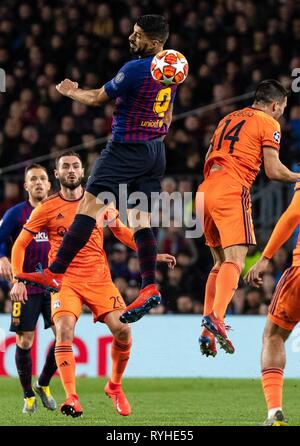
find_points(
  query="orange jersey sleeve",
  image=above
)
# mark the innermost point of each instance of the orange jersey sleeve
(239, 141)
(19, 250)
(123, 233)
(284, 227)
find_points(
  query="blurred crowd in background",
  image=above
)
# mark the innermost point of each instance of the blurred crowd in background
(231, 45)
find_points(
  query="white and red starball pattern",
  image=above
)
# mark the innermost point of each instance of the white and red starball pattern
(169, 67)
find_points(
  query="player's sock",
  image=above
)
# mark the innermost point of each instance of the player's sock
(272, 382)
(120, 352)
(24, 368)
(74, 240)
(147, 252)
(226, 284)
(49, 369)
(210, 291)
(66, 366)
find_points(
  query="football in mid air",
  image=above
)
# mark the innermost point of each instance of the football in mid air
(169, 67)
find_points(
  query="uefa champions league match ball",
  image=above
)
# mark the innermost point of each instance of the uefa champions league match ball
(169, 67)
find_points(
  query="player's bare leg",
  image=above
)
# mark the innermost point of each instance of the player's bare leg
(207, 339)
(226, 284)
(65, 324)
(120, 353)
(272, 367)
(149, 296)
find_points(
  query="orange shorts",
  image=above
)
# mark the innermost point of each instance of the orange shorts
(101, 297)
(284, 309)
(227, 211)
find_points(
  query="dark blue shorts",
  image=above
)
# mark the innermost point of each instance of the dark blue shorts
(140, 166)
(24, 317)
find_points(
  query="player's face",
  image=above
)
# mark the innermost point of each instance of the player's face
(140, 44)
(69, 172)
(279, 108)
(37, 184)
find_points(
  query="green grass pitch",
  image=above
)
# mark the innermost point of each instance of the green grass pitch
(156, 402)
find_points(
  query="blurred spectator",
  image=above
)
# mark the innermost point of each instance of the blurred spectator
(118, 261)
(253, 300)
(185, 304)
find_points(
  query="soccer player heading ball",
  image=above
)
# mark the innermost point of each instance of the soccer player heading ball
(135, 157)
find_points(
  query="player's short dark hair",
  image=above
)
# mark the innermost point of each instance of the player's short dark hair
(155, 26)
(66, 153)
(270, 90)
(34, 166)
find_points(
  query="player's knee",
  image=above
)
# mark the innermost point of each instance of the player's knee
(122, 332)
(64, 330)
(24, 340)
(272, 338)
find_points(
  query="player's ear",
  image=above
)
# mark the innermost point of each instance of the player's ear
(48, 186)
(55, 173)
(25, 187)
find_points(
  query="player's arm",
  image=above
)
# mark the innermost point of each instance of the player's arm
(120, 84)
(38, 220)
(123, 233)
(274, 168)
(18, 293)
(7, 227)
(94, 97)
(281, 233)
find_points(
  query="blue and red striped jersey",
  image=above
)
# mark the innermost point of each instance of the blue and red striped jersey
(143, 106)
(37, 251)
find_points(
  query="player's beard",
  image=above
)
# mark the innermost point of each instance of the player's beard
(139, 51)
(70, 184)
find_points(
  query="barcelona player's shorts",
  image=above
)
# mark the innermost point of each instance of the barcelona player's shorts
(101, 298)
(140, 166)
(24, 317)
(284, 309)
(227, 211)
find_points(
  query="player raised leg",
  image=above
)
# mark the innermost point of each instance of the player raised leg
(226, 285)
(207, 339)
(120, 353)
(65, 324)
(145, 240)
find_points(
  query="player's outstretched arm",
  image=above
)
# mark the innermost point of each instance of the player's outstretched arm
(281, 233)
(19, 250)
(274, 168)
(87, 97)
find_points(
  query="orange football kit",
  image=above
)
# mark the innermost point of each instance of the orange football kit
(233, 163)
(87, 280)
(284, 310)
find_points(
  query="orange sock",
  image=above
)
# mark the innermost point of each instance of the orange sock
(226, 284)
(272, 382)
(66, 366)
(120, 352)
(210, 290)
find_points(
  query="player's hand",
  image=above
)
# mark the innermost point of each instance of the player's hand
(5, 269)
(18, 293)
(254, 275)
(167, 258)
(66, 87)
